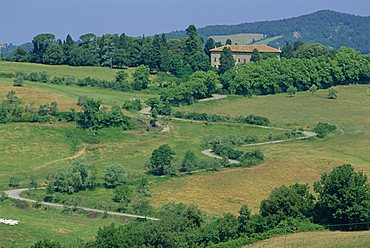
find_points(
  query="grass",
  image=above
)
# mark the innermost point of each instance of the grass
(287, 163)
(238, 38)
(318, 240)
(266, 41)
(36, 149)
(97, 72)
(37, 224)
(66, 96)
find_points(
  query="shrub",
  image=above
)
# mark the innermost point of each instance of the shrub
(13, 182)
(322, 129)
(18, 82)
(115, 176)
(132, 105)
(254, 120)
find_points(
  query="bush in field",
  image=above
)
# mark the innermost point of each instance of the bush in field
(291, 91)
(313, 88)
(18, 82)
(14, 182)
(332, 93)
(132, 105)
(189, 163)
(254, 120)
(123, 195)
(322, 129)
(114, 176)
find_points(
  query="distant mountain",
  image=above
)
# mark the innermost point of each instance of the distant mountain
(330, 28)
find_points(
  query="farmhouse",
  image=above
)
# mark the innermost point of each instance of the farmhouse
(241, 53)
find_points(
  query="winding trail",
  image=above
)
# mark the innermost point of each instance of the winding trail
(306, 135)
(209, 153)
(15, 194)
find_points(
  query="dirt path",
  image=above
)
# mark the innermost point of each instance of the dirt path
(15, 194)
(307, 134)
(80, 153)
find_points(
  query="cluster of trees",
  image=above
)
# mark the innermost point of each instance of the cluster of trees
(200, 85)
(162, 162)
(13, 110)
(341, 203)
(80, 176)
(343, 66)
(95, 117)
(178, 56)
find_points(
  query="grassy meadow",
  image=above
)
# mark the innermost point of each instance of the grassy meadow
(286, 163)
(36, 224)
(78, 72)
(237, 38)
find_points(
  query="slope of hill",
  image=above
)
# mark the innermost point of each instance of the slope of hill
(328, 27)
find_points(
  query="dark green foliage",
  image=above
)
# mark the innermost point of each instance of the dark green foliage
(14, 182)
(114, 176)
(294, 201)
(254, 120)
(70, 180)
(95, 118)
(228, 42)
(160, 162)
(200, 85)
(322, 129)
(132, 105)
(141, 78)
(343, 198)
(189, 163)
(227, 60)
(332, 93)
(199, 116)
(46, 244)
(210, 44)
(18, 82)
(159, 107)
(122, 194)
(273, 76)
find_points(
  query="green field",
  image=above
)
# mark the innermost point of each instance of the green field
(287, 163)
(317, 240)
(66, 96)
(238, 38)
(61, 70)
(267, 40)
(41, 149)
(36, 224)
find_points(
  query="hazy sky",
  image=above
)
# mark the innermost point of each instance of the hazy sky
(20, 20)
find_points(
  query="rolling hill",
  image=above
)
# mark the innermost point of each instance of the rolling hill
(330, 28)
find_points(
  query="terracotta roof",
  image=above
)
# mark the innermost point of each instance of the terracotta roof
(248, 48)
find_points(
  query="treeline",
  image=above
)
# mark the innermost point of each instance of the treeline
(178, 56)
(344, 66)
(341, 202)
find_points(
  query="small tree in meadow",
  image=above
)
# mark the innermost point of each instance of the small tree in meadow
(332, 93)
(13, 182)
(313, 88)
(115, 176)
(18, 82)
(291, 91)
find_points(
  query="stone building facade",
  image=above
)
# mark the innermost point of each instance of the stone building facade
(241, 53)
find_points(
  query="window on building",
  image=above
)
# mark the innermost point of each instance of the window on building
(245, 61)
(238, 60)
(215, 60)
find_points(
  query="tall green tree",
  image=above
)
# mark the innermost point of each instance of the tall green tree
(40, 43)
(210, 44)
(343, 198)
(141, 78)
(227, 60)
(161, 161)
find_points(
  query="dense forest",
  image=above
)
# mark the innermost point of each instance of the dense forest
(330, 28)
